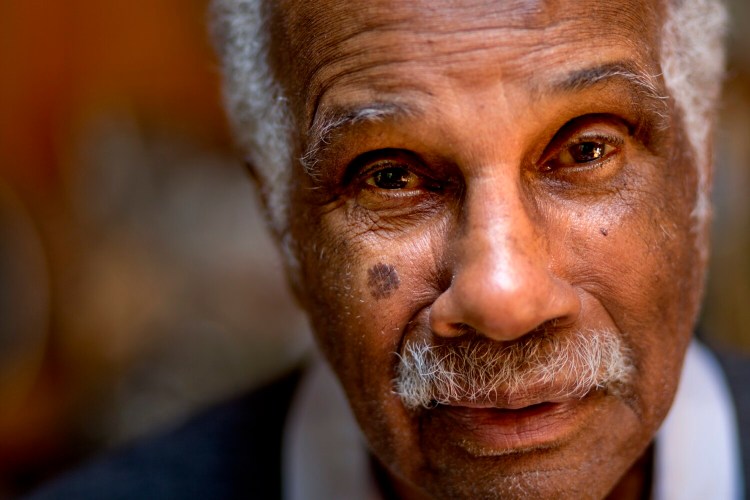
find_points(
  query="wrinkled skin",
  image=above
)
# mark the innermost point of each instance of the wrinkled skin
(503, 190)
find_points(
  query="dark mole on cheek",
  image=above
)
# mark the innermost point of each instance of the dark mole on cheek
(382, 280)
(604, 231)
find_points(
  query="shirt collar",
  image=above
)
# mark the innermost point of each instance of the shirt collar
(697, 448)
(324, 453)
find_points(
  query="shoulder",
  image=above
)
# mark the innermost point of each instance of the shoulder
(736, 368)
(230, 451)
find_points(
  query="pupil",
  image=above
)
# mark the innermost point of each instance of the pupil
(588, 151)
(392, 178)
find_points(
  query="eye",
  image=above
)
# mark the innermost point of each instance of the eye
(584, 152)
(392, 180)
(393, 177)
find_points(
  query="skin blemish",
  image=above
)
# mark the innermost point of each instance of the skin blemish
(604, 231)
(382, 280)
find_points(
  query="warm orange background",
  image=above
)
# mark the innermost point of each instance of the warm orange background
(88, 293)
(65, 61)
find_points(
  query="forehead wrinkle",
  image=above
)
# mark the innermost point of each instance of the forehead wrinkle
(321, 85)
(335, 41)
(373, 67)
(339, 30)
(368, 57)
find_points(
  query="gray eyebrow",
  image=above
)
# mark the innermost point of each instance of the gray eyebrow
(326, 124)
(645, 84)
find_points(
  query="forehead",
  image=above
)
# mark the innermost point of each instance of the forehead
(331, 50)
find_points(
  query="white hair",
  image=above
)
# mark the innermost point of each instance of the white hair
(692, 61)
(475, 369)
(257, 108)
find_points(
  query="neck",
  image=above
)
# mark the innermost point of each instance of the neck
(637, 481)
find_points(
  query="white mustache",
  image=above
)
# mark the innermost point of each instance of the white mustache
(541, 368)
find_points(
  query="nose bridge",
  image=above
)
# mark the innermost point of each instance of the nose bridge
(499, 241)
(503, 286)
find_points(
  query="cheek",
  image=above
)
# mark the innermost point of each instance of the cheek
(363, 285)
(355, 296)
(637, 259)
(362, 292)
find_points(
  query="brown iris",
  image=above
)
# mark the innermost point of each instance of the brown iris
(392, 178)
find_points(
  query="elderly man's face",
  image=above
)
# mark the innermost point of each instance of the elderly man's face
(495, 172)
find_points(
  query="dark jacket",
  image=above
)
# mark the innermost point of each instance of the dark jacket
(230, 451)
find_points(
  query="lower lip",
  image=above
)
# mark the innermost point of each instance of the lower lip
(494, 431)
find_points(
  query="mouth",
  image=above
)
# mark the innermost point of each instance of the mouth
(484, 430)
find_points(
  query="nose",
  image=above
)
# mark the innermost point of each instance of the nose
(503, 284)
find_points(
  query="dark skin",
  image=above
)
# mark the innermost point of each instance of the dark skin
(518, 177)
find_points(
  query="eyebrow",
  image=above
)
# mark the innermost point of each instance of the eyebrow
(646, 89)
(328, 122)
(645, 86)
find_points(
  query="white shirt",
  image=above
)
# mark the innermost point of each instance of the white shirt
(697, 448)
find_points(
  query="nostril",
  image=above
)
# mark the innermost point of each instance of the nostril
(551, 327)
(463, 329)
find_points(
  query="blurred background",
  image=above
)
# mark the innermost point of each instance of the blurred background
(136, 280)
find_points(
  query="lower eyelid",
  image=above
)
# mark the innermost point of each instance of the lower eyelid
(395, 193)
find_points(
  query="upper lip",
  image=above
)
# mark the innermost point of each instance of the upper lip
(518, 402)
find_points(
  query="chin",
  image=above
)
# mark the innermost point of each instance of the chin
(532, 474)
(586, 456)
